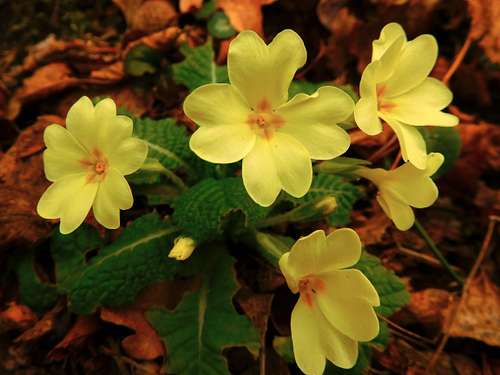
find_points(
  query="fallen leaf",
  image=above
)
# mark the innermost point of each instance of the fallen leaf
(244, 14)
(84, 326)
(45, 325)
(485, 26)
(144, 344)
(427, 306)
(186, 6)
(22, 182)
(372, 229)
(147, 16)
(256, 306)
(17, 317)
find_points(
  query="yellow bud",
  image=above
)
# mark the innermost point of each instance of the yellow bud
(327, 205)
(183, 248)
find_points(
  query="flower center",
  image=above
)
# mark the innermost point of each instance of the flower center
(96, 165)
(384, 105)
(309, 286)
(264, 121)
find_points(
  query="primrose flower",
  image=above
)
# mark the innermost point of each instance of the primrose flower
(86, 162)
(405, 187)
(395, 87)
(252, 119)
(335, 307)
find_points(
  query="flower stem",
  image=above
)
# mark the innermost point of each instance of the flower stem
(437, 252)
(157, 167)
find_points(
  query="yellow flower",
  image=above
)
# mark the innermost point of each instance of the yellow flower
(183, 248)
(395, 87)
(335, 308)
(251, 119)
(405, 187)
(86, 162)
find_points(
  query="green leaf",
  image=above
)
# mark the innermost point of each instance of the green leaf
(200, 211)
(33, 292)
(219, 26)
(341, 166)
(447, 141)
(205, 322)
(207, 9)
(198, 68)
(167, 141)
(69, 251)
(136, 259)
(345, 193)
(392, 291)
(142, 60)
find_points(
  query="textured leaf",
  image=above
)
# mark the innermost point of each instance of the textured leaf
(392, 291)
(205, 322)
(198, 68)
(167, 141)
(33, 292)
(219, 26)
(201, 210)
(447, 141)
(345, 193)
(68, 252)
(136, 259)
(142, 60)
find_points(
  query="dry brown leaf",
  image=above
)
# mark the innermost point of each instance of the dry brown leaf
(372, 229)
(144, 344)
(159, 40)
(45, 325)
(147, 16)
(186, 6)
(256, 306)
(84, 326)
(16, 316)
(427, 306)
(244, 14)
(485, 26)
(22, 182)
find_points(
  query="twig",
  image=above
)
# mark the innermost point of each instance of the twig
(437, 252)
(458, 58)
(404, 332)
(396, 161)
(429, 259)
(382, 151)
(470, 278)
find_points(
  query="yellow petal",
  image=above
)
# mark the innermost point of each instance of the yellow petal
(129, 156)
(368, 83)
(390, 59)
(63, 154)
(412, 143)
(341, 350)
(343, 249)
(414, 65)
(312, 119)
(80, 123)
(293, 164)
(351, 283)
(215, 105)
(69, 199)
(113, 194)
(423, 105)
(222, 144)
(352, 316)
(306, 256)
(260, 176)
(117, 129)
(307, 348)
(286, 270)
(400, 212)
(366, 116)
(434, 161)
(388, 35)
(262, 72)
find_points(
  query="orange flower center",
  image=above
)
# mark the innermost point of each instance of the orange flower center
(264, 121)
(384, 105)
(97, 166)
(309, 286)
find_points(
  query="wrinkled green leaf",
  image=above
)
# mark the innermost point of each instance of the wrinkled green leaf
(447, 141)
(205, 322)
(392, 291)
(219, 26)
(198, 68)
(345, 193)
(69, 251)
(142, 60)
(200, 211)
(136, 259)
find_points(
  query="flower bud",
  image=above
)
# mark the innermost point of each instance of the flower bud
(183, 248)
